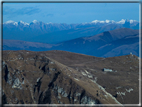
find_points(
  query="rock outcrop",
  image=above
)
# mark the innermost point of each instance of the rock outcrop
(37, 78)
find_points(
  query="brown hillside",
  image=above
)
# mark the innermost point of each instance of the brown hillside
(59, 77)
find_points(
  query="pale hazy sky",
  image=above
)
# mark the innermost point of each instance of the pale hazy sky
(69, 12)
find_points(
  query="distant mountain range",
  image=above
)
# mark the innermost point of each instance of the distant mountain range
(107, 44)
(24, 45)
(55, 33)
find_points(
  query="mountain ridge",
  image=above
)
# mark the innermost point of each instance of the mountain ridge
(38, 31)
(122, 21)
(97, 45)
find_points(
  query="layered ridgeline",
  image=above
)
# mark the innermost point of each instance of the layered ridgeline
(116, 42)
(60, 77)
(54, 33)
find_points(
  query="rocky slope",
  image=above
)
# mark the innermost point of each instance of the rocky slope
(125, 78)
(59, 77)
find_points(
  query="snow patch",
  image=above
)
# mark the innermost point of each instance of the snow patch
(129, 90)
(83, 73)
(34, 21)
(86, 71)
(121, 93)
(132, 21)
(24, 23)
(11, 22)
(76, 79)
(121, 21)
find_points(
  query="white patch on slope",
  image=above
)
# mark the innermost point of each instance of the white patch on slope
(122, 21)
(34, 21)
(107, 94)
(11, 22)
(24, 23)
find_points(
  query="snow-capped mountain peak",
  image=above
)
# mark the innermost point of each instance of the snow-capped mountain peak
(122, 21)
(34, 21)
(132, 21)
(107, 21)
(101, 21)
(95, 21)
(11, 22)
(24, 23)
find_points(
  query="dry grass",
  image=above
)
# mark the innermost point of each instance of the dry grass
(34, 65)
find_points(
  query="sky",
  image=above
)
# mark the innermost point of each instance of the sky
(69, 12)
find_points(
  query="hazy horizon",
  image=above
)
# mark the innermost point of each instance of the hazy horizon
(69, 12)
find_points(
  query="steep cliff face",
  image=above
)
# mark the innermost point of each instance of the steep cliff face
(35, 78)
